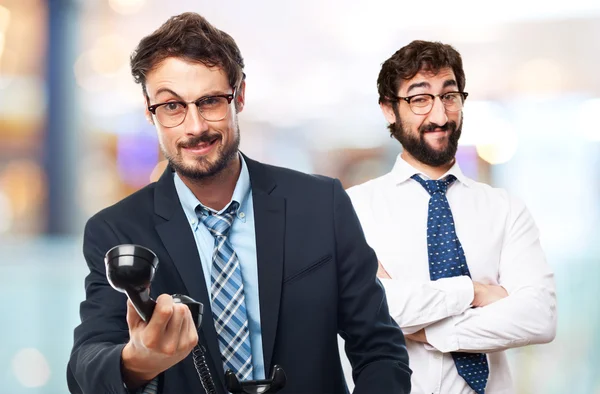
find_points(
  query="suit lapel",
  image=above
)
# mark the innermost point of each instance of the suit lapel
(178, 239)
(269, 216)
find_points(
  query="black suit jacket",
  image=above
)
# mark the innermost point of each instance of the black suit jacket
(317, 278)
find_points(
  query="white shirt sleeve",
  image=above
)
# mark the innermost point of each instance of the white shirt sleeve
(416, 305)
(526, 316)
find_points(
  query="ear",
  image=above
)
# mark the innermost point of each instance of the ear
(388, 111)
(240, 97)
(147, 113)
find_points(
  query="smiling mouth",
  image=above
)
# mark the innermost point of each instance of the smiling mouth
(437, 132)
(201, 147)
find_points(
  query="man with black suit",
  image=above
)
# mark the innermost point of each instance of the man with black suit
(277, 257)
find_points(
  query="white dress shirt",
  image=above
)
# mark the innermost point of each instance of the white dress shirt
(502, 247)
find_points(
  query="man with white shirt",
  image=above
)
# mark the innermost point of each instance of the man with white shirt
(461, 262)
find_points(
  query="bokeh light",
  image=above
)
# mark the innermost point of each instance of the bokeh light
(126, 7)
(31, 368)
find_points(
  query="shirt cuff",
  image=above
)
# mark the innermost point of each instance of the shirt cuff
(442, 335)
(459, 293)
(150, 388)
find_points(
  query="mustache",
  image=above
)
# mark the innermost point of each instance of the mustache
(451, 125)
(199, 139)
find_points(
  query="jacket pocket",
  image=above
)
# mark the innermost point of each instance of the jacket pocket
(311, 268)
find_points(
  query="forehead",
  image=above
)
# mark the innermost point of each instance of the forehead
(187, 79)
(427, 80)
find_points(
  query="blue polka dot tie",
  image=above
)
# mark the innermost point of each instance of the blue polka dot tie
(447, 259)
(227, 294)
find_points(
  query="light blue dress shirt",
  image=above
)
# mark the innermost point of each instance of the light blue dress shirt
(243, 239)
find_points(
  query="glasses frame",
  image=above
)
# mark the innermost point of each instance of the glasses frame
(229, 97)
(433, 96)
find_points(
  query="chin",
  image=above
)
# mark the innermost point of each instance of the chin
(202, 166)
(199, 162)
(438, 148)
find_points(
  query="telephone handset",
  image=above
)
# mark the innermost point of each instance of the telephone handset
(130, 269)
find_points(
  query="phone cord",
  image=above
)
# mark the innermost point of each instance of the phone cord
(202, 369)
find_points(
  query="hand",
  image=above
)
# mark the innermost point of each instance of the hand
(418, 336)
(487, 294)
(156, 346)
(381, 272)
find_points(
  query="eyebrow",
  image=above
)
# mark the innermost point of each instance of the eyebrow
(166, 90)
(208, 94)
(425, 84)
(450, 82)
(418, 85)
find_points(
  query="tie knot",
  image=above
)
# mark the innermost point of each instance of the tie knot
(218, 224)
(435, 186)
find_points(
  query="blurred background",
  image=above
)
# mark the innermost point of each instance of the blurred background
(73, 139)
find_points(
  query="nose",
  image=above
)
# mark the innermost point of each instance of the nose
(194, 123)
(438, 113)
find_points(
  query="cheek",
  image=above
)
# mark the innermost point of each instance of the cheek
(411, 122)
(412, 126)
(227, 129)
(167, 139)
(161, 137)
(455, 116)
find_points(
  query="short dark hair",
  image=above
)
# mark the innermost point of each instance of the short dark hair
(191, 37)
(414, 57)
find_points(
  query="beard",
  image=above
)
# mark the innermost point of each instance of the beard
(418, 148)
(204, 167)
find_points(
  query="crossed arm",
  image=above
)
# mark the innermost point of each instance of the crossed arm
(458, 314)
(483, 295)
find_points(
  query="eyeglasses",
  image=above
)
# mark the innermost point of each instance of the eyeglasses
(211, 108)
(421, 104)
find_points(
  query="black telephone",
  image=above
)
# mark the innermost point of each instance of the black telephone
(130, 269)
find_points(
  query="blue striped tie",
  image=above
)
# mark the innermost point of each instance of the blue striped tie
(227, 295)
(447, 259)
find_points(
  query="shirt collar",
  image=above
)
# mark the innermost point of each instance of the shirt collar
(189, 202)
(402, 171)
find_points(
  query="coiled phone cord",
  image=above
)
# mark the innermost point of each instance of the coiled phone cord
(202, 369)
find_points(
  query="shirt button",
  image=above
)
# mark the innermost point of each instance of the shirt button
(242, 215)
(437, 356)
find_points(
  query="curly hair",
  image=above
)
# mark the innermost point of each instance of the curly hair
(415, 57)
(191, 37)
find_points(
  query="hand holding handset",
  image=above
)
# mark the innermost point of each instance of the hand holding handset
(130, 269)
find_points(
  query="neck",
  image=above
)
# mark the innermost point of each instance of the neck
(431, 171)
(216, 191)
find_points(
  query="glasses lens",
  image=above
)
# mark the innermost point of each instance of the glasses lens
(213, 108)
(421, 104)
(171, 114)
(453, 101)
